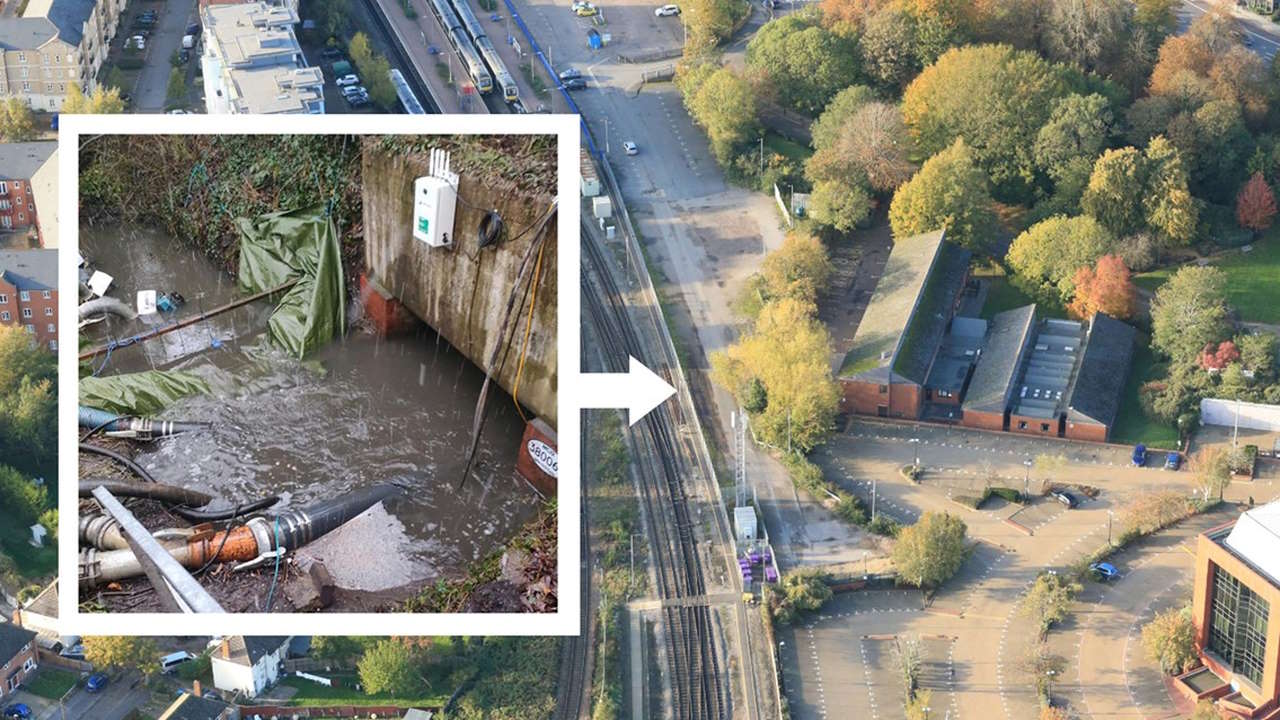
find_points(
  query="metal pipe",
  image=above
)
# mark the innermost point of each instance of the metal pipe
(199, 317)
(184, 586)
(101, 532)
(135, 428)
(106, 305)
(155, 491)
(253, 543)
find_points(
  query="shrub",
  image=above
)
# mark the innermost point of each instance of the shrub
(1169, 639)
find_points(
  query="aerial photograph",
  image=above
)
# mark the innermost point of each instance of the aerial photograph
(972, 310)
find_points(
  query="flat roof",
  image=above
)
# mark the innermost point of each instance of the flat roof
(957, 352)
(252, 33)
(1046, 376)
(277, 89)
(30, 269)
(1255, 538)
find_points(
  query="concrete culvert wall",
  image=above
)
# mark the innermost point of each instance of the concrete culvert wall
(463, 291)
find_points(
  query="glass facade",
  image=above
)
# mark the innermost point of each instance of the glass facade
(1238, 625)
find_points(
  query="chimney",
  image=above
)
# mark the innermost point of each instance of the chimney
(195, 688)
(226, 649)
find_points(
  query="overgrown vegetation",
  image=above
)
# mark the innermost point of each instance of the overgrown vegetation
(28, 471)
(801, 591)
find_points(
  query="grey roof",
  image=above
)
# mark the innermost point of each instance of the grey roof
(26, 33)
(70, 16)
(190, 707)
(993, 378)
(12, 640)
(249, 649)
(893, 303)
(1103, 371)
(933, 312)
(20, 161)
(1044, 380)
(30, 269)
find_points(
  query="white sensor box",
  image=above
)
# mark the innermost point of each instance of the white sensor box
(435, 198)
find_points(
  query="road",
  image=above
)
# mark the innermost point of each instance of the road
(166, 38)
(1264, 35)
(121, 696)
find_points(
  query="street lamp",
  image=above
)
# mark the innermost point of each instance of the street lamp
(1050, 674)
(916, 443)
(926, 712)
(865, 572)
(1110, 515)
(1026, 478)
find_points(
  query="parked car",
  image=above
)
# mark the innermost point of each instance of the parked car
(96, 682)
(178, 111)
(347, 80)
(630, 148)
(184, 55)
(358, 100)
(1139, 454)
(193, 29)
(575, 84)
(667, 11)
(188, 41)
(570, 73)
(354, 89)
(1172, 461)
(169, 663)
(331, 54)
(1065, 498)
(18, 710)
(585, 10)
(1104, 571)
(137, 41)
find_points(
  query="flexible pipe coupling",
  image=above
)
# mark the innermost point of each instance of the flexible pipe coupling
(102, 532)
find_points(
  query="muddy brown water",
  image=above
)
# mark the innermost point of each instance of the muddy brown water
(361, 411)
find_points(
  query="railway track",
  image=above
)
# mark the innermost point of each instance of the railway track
(576, 668)
(699, 683)
(401, 58)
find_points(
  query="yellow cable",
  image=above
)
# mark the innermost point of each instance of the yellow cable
(524, 348)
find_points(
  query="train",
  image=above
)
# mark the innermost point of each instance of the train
(482, 43)
(462, 45)
(407, 98)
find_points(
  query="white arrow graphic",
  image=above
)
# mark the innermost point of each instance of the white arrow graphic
(639, 390)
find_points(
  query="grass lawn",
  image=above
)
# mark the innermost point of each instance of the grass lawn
(1132, 426)
(1252, 286)
(787, 148)
(50, 683)
(33, 563)
(310, 693)
(1003, 295)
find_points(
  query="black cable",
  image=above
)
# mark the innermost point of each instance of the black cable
(132, 466)
(489, 230)
(198, 516)
(226, 533)
(85, 437)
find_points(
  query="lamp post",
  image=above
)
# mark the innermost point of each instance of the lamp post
(873, 498)
(1110, 516)
(1026, 478)
(926, 709)
(1049, 674)
(915, 442)
(865, 572)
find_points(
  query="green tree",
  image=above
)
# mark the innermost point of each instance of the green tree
(102, 101)
(1045, 257)
(996, 99)
(21, 498)
(838, 112)
(721, 101)
(1158, 16)
(28, 404)
(871, 147)
(950, 191)
(339, 648)
(929, 552)
(330, 16)
(388, 666)
(800, 591)
(890, 57)
(710, 22)
(789, 352)
(803, 63)
(1049, 600)
(116, 652)
(375, 71)
(799, 270)
(840, 204)
(1078, 130)
(176, 92)
(1169, 639)
(16, 121)
(1156, 176)
(1212, 469)
(1190, 311)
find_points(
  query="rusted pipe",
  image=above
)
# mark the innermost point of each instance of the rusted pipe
(155, 491)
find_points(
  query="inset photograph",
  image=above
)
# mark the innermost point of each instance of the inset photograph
(317, 373)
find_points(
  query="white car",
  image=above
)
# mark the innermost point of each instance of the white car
(348, 80)
(179, 111)
(667, 11)
(137, 41)
(630, 148)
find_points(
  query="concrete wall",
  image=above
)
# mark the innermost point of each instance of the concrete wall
(463, 291)
(1255, 416)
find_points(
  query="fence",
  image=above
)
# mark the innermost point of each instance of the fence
(284, 712)
(47, 657)
(1229, 413)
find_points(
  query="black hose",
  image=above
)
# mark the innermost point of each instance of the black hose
(96, 428)
(133, 467)
(199, 516)
(171, 494)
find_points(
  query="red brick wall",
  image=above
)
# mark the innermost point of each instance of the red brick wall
(22, 209)
(864, 398)
(388, 315)
(544, 482)
(905, 401)
(16, 663)
(1033, 425)
(44, 311)
(984, 420)
(1087, 431)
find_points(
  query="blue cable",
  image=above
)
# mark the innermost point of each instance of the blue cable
(272, 592)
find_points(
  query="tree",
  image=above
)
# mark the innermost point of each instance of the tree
(847, 16)
(1153, 511)
(993, 97)
(176, 92)
(115, 652)
(387, 666)
(871, 146)
(710, 22)
(950, 191)
(840, 204)
(929, 552)
(1044, 258)
(16, 121)
(1049, 600)
(909, 663)
(28, 404)
(374, 69)
(1053, 712)
(102, 101)
(1169, 639)
(1107, 288)
(800, 591)
(330, 16)
(1158, 16)
(1157, 176)
(721, 101)
(804, 64)
(1042, 665)
(22, 499)
(1088, 33)
(1189, 311)
(826, 129)
(1258, 352)
(788, 351)
(1256, 204)
(1079, 129)
(798, 269)
(339, 648)
(1212, 470)
(919, 704)
(1219, 356)
(890, 57)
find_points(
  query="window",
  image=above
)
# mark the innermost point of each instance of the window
(26, 87)
(24, 296)
(4, 299)
(1238, 625)
(26, 312)
(22, 217)
(53, 345)
(1022, 424)
(25, 73)
(29, 665)
(5, 205)
(1044, 427)
(4, 187)
(22, 57)
(51, 328)
(5, 316)
(884, 389)
(48, 312)
(31, 329)
(46, 294)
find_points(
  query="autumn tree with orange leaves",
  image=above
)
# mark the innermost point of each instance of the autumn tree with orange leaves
(1107, 288)
(1256, 204)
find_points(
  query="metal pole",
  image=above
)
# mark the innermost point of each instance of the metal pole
(1235, 431)
(873, 497)
(762, 155)
(1110, 515)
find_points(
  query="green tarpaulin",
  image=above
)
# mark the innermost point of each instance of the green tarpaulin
(299, 244)
(142, 393)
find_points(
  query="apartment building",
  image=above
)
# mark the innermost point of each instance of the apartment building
(29, 293)
(252, 62)
(28, 184)
(54, 45)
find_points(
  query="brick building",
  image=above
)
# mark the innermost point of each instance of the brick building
(1236, 612)
(54, 45)
(17, 658)
(28, 176)
(29, 294)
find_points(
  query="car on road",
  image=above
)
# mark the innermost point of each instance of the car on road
(1139, 455)
(570, 73)
(170, 663)
(630, 148)
(1065, 498)
(1172, 461)
(1104, 571)
(585, 10)
(193, 29)
(178, 111)
(137, 41)
(96, 682)
(347, 80)
(575, 84)
(331, 54)
(18, 710)
(667, 11)
(184, 55)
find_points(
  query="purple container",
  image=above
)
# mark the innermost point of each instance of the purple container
(755, 558)
(768, 557)
(770, 575)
